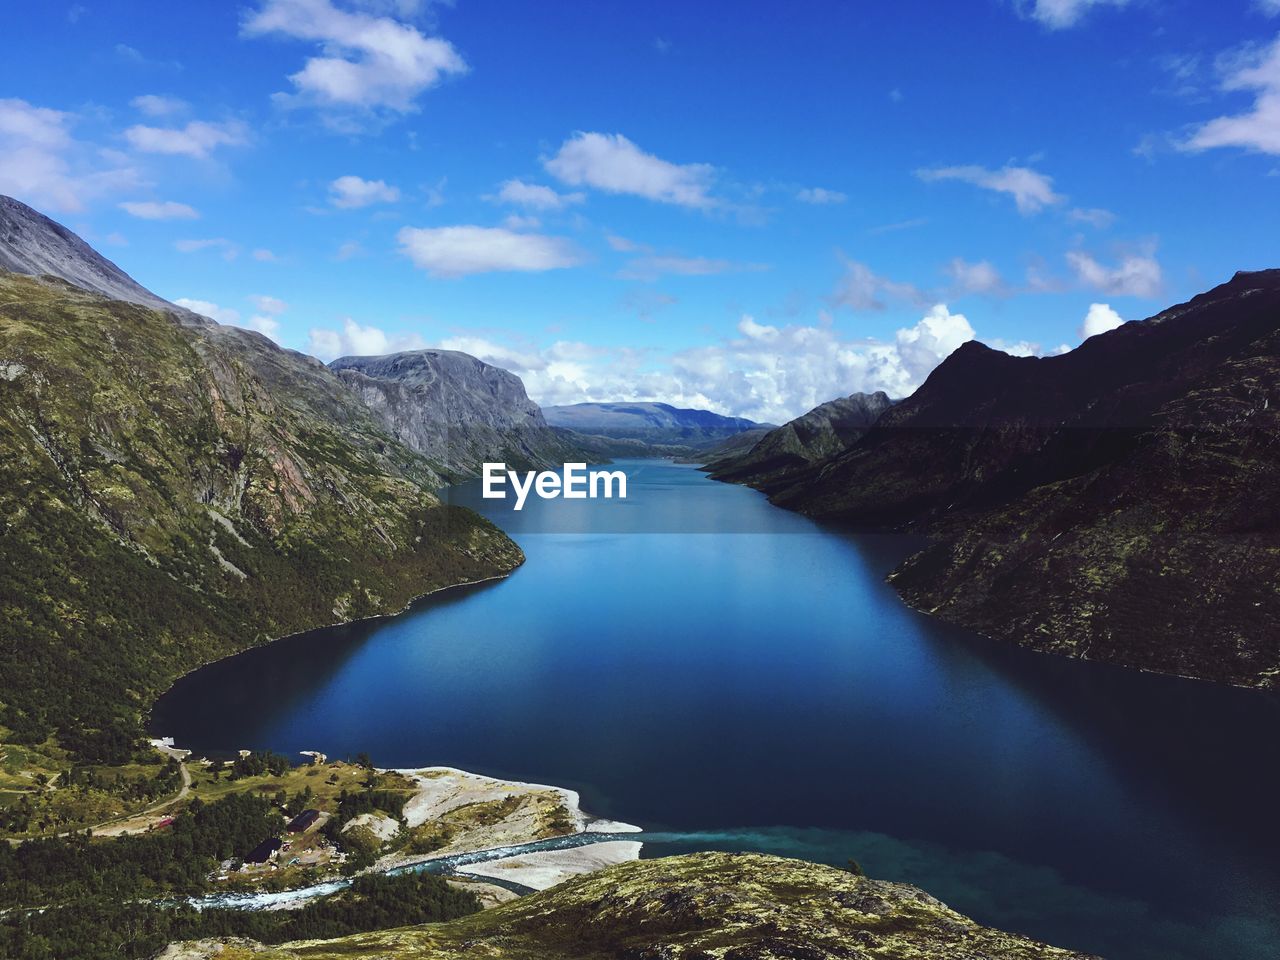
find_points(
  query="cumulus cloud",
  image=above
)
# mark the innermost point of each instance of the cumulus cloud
(351, 192)
(861, 288)
(1061, 14)
(366, 61)
(980, 277)
(359, 341)
(535, 196)
(1099, 319)
(43, 164)
(262, 323)
(612, 163)
(1136, 275)
(1031, 190)
(155, 105)
(198, 139)
(159, 210)
(820, 196)
(765, 372)
(462, 250)
(1256, 71)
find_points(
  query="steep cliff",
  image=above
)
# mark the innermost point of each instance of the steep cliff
(455, 410)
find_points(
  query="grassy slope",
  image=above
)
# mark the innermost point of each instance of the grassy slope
(708, 905)
(169, 495)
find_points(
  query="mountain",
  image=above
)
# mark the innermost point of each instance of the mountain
(1117, 502)
(172, 491)
(825, 431)
(31, 243)
(650, 423)
(455, 410)
(739, 906)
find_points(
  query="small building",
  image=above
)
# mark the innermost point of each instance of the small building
(263, 851)
(303, 820)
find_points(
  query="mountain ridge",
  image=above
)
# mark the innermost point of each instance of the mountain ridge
(456, 410)
(827, 429)
(1095, 504)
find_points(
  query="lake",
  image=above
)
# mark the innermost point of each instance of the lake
(732, 676)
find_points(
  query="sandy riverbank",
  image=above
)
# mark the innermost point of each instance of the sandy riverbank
(447, 793)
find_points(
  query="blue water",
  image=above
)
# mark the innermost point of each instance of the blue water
(731, 676)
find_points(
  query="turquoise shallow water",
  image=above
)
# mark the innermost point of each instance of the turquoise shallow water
(731, 676)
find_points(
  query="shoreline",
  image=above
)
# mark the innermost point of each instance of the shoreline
(154, 735)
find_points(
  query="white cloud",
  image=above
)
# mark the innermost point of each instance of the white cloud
(263, 255)
(764, 372)
(198, 139)
(612, 163)
(1258, 128)
(348, 251)
(1031, 190)
(535, 196)
(1135, 275)
(267, 304)
(1099, 319)
(159, 210)
(462, 250)
(1060, 14)
(820, 196)
(980, 277)
(1270, 8)
(350, 192)
(365, 61)
(1093, 216)
(43, 164)
(263, 324)
(155, 105)
(229, 250)
(861, 288)
(360, 341)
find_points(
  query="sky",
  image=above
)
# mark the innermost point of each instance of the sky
(747, 207)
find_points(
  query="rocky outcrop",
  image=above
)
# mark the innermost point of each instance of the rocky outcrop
(825, 431)
(455, 410)
(740, 906)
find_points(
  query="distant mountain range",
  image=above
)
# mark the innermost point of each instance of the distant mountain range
(1118, 502)
(623, 429)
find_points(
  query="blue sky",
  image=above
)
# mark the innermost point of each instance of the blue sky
(746, 206)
